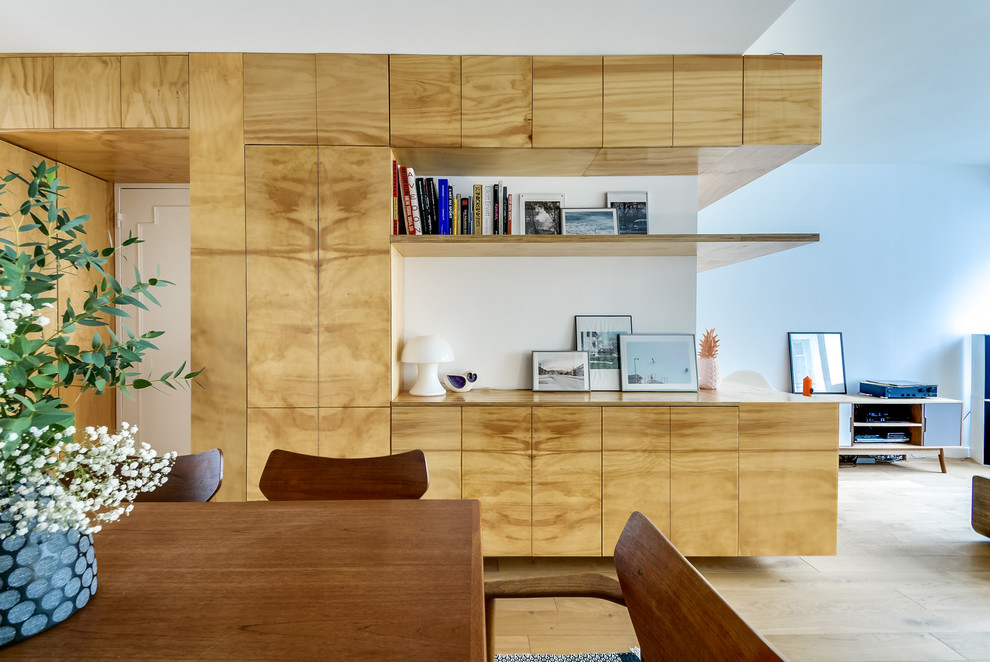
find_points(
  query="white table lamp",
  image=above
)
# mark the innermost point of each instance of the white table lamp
(427, 352)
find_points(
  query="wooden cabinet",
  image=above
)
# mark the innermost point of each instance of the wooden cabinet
(635, 469)
(704, 477)
(567, 101)
(154, 91)
(708, 96)
(638, 101)
(27, 92)
(497, 469)
(782, 103)
(87, 92)
(567, 481)
(425, 100)
(289, 428)
(279, 99)
(354, 431)
(438, 435)
(352, 99)
(496, 101)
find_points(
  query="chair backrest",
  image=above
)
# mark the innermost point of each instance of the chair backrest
(981, 505)
(292, 476)
(676, 613)
(195, 477)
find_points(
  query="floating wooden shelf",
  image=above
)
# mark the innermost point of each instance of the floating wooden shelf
(712, 250)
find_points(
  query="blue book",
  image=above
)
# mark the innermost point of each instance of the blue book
(443, 206)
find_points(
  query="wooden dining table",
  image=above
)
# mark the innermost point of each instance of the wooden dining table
(304, 580)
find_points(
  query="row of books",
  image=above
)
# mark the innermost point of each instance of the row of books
(427, 205)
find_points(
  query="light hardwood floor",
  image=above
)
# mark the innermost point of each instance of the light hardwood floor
(911, 581)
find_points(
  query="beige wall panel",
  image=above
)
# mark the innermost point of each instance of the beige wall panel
(497, 469)
(282, 275)
(638, 101)
(354, 431)
(87, 92)
(788, 503)
(636, 429)
(567, 101)
(631, 481)
(704, 508)
(788, 426)
(567, 481)
(355, 225)
(295, 430)
(782, 103)
(708, 96)
(279, 99)
(425, 100)
(704, 429)
(496, 101)
(437, 432)
(352, 99)
(26, 87)
(154, 91)
(216, 170)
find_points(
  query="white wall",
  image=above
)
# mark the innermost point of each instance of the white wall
(495, 311)
(902, 270)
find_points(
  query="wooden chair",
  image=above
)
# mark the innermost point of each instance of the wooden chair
(195, 477)
(981, 505)
(676, 613)
(292, 476)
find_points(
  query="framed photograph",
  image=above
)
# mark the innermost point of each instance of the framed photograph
(560, 371)
(658, 362)
(817, 354)
(632, 210)
(599, 336)
(589, 221)
(540, 213)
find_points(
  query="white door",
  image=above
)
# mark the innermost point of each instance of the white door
(159, 215)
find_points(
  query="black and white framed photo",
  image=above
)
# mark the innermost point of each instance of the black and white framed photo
(658, 362)
(631, 209)
(599, 336)
(589, 221)
(540, 213)
(560, 371)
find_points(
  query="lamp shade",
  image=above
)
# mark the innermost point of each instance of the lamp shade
(427, 349)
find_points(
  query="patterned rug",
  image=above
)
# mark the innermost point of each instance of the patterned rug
(582, 657)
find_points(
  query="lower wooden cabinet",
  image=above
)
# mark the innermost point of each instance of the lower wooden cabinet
(438, 434)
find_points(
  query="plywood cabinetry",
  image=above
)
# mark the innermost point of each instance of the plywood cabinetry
(708, 95)
(496, 101)
(279, 99)
(27, 92)
(638, 101)
(425, 100)
(352, 99)
(87, 92)
(783, 100)
(567, 101)
(154, 91)
(438, 435)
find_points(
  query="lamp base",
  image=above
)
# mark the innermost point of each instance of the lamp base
(427, 384)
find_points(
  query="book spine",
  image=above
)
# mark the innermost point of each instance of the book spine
(455, 207)
(476, 212)
(395, 197)
(465, 210)
(508, 212)
(486, 210)
(496, 200)
(504, 208)
(443, 206)
(430, 185)
(415, 213)
(424, 205)
(407, 203)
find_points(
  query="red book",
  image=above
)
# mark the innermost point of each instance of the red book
(407, 200)
(395, 197)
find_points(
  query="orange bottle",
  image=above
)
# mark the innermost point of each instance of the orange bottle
(807, 387)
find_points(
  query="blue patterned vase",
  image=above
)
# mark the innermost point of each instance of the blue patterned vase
(45, 577)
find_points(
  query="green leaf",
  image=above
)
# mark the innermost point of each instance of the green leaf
(42, 381)
(141, 383)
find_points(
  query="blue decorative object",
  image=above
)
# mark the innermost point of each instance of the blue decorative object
(460, 382)
(45, 577)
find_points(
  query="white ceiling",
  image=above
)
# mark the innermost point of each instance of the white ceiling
(905, 81)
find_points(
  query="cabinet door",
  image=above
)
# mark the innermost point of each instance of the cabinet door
(288, 428)
(279, 99)
(708, 96)
(437, 432)
(27, 89)
(282, 272)
(567, 101)
(354, 431)
(635, 469)
(496, 101)
(704, 480)
(567, 481)
(497, 469)
(87, 92)
(352, 99)
(639, 101)
(943, 424)
(782, 104)
(425, 100)
(154, 91)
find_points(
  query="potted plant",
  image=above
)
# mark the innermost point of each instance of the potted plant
(57, 490)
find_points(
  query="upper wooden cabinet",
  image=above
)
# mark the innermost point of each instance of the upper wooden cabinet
(638, 101)
(567, 101)
(496, 101)
(708, 94)
(279, 99)
(783, 100)
(87, 92)
(154, 91)
(26, 92)
(425, 100)
(352, 99)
